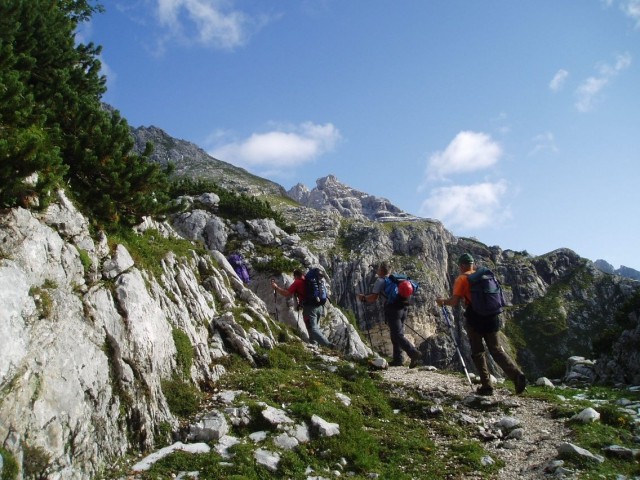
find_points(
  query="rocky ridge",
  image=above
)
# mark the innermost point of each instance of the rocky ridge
(330, 195)
(622, 271)
(192, 161)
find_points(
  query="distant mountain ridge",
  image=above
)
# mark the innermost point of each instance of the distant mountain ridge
(332, 195)
(192, 161)
(328, 195)
(623, 271)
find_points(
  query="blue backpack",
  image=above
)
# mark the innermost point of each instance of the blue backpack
(398, 289)
(315, 289)
(487, 298)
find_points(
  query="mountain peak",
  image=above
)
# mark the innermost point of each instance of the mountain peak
(332, 195)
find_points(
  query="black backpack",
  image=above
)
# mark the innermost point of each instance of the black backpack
(315, 289)
(486, 293)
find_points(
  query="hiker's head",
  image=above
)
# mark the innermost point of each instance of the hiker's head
(297, 273)
(383, 269)
(465, 261)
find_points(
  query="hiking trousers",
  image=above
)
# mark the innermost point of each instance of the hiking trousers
(311, 315)
(395, 318)
(477, 341)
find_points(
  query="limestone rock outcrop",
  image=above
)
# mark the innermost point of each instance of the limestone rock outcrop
(88, 336)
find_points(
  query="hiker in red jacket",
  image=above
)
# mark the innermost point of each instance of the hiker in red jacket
(310, 313)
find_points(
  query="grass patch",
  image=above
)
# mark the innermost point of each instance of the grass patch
(383, 431)
(615, 427)
(184, 355)
(85, 259)
(9, 465)
(386, 430)
(149, 248)
(43, 300)
(182, 397)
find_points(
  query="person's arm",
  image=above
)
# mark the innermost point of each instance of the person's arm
(367, 297)
(372, 297)
(458, 294)
(282, 291)
(452, 301)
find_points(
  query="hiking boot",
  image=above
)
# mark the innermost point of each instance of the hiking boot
(520, 383)
(485, 390)
(415, 362)
(396, 363)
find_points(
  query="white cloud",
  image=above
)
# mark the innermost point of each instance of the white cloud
(108, 72)
(467, 152)
(212, 23)
(501, 123)
(631, 9)
(468, 206)
(558, 80)
(278, 149)
(544, 141)
(587, 92)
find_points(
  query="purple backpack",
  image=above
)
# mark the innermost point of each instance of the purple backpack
(238, 264)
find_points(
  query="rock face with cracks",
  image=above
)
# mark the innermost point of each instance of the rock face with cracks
(88, 337)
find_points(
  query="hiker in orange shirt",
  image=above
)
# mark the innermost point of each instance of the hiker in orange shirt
(481, 328)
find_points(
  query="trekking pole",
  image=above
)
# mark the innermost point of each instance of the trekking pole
(453, 337)
(381, 332)
(275, 303)
(298, 308)
(366, 323)
(412, 329)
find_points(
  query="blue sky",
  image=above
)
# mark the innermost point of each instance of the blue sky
(517, 123)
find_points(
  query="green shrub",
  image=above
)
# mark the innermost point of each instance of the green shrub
(183, 398)
(277, 265)
(54, 123)
(184, 356)
(233, 206)
(9, 465)
(163, 434)
(43, 300)
(611, 415)
(623, 314)
(35, 462)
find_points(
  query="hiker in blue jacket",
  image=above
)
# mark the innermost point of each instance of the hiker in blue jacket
(395, 314)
